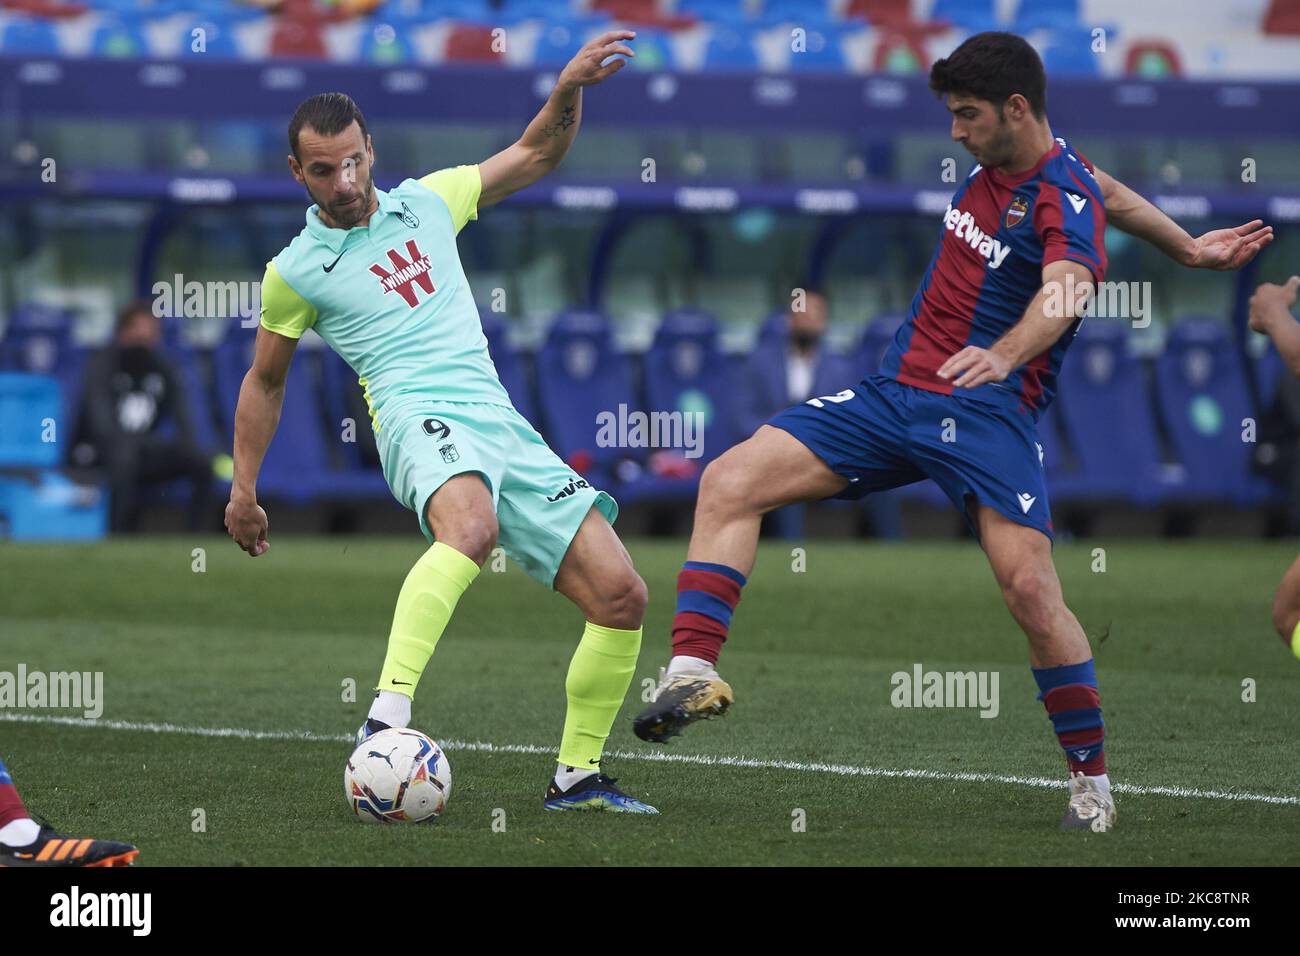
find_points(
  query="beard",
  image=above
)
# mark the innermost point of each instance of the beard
(350, 214)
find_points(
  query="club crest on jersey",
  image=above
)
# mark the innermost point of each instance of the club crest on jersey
(1016, 211)
(407, 274)
(409, 218)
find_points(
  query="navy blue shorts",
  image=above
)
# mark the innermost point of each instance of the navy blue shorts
(882, 434)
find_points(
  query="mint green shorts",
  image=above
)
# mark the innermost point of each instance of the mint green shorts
(540, 501)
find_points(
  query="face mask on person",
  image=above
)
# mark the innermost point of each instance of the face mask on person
(804, 340)
(136, 359)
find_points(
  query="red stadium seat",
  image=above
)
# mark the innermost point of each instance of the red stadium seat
(298, 38)
(45, 8)
(883, 13)
(1283, 17)
(468, 43)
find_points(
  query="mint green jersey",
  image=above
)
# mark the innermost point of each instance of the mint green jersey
(391, 297)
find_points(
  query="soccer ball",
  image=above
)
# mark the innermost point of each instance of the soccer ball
(398, 775)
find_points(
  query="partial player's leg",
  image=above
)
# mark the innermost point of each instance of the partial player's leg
(771, 469)
(1061, 658)
(558, 529)
(25, 843)
(1286, 608)
(462, 521)
(597, 575)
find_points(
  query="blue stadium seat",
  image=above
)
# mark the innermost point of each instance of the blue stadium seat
(119, 38)
(731, 48)
(1046, 15)
(727, 12)
(390, 50)
(974, 16)
(686, 371)
(1070, 52)
(876, 339)
(823, 52)
(218, 38)
(26, 402)
(806, 13)
(579, 376)
(296, 467)
(39, 341)
(509, 364)
(1203, 398)
(1108, 421)
(29, 37)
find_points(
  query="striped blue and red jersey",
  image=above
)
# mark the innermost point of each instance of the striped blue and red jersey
(998, 233)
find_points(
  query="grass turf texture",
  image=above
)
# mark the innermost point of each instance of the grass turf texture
(266, 644)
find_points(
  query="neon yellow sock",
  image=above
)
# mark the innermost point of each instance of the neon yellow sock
(424, 606)
(1295, 640)
(599, 675)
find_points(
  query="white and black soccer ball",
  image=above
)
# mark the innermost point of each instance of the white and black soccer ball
(398, 775)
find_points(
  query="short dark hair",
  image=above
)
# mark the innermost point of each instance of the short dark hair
(992, 66)
(129, 311)
(327, 114)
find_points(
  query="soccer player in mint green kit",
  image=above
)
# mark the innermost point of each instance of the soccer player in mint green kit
(377, 275)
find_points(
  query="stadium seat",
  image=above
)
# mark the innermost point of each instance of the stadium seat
(876, 339)
(509, 364)
(385, 47)
(29, 37)
(823, 51)
(730, 48)
(27, 402)
(1070, 52)
(973, 16)
(294, 38)
(119, 39)
(218, 38)
(1107, 419)
(579, 376)
(1203, 398)
(686, 371)
(882, 14)
(296, 467)
(1047, 15)
(471, 43)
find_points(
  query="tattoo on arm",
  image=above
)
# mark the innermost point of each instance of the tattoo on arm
(562, 124)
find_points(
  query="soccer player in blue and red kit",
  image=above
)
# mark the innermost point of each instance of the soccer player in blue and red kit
(956, 400)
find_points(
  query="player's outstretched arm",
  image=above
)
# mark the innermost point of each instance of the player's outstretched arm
(552, 131)
(1217, 249)
(256, 416)
(1270, 313)
(1067, 287)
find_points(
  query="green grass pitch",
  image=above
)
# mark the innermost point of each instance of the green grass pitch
(267, 644)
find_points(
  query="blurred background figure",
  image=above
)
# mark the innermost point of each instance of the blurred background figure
(792, 363)
(134, 423)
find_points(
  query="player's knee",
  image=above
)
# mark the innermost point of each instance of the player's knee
(723, 486)
(623, 602)
(1032, 598)
(473, 535)
(1286, 615)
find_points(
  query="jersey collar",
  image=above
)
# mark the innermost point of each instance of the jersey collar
(1003, 179)
(333, 239)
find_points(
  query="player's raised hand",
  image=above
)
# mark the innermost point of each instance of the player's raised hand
(1271, 300)
(1230, 248)
(585, 68)
(975, 366)
(247, 524)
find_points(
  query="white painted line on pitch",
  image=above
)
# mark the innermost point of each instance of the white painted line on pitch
(841, 770)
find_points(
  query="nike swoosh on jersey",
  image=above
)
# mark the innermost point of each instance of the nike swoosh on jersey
(330, 267)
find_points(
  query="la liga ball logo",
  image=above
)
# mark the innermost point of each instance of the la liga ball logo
(1016, 211)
